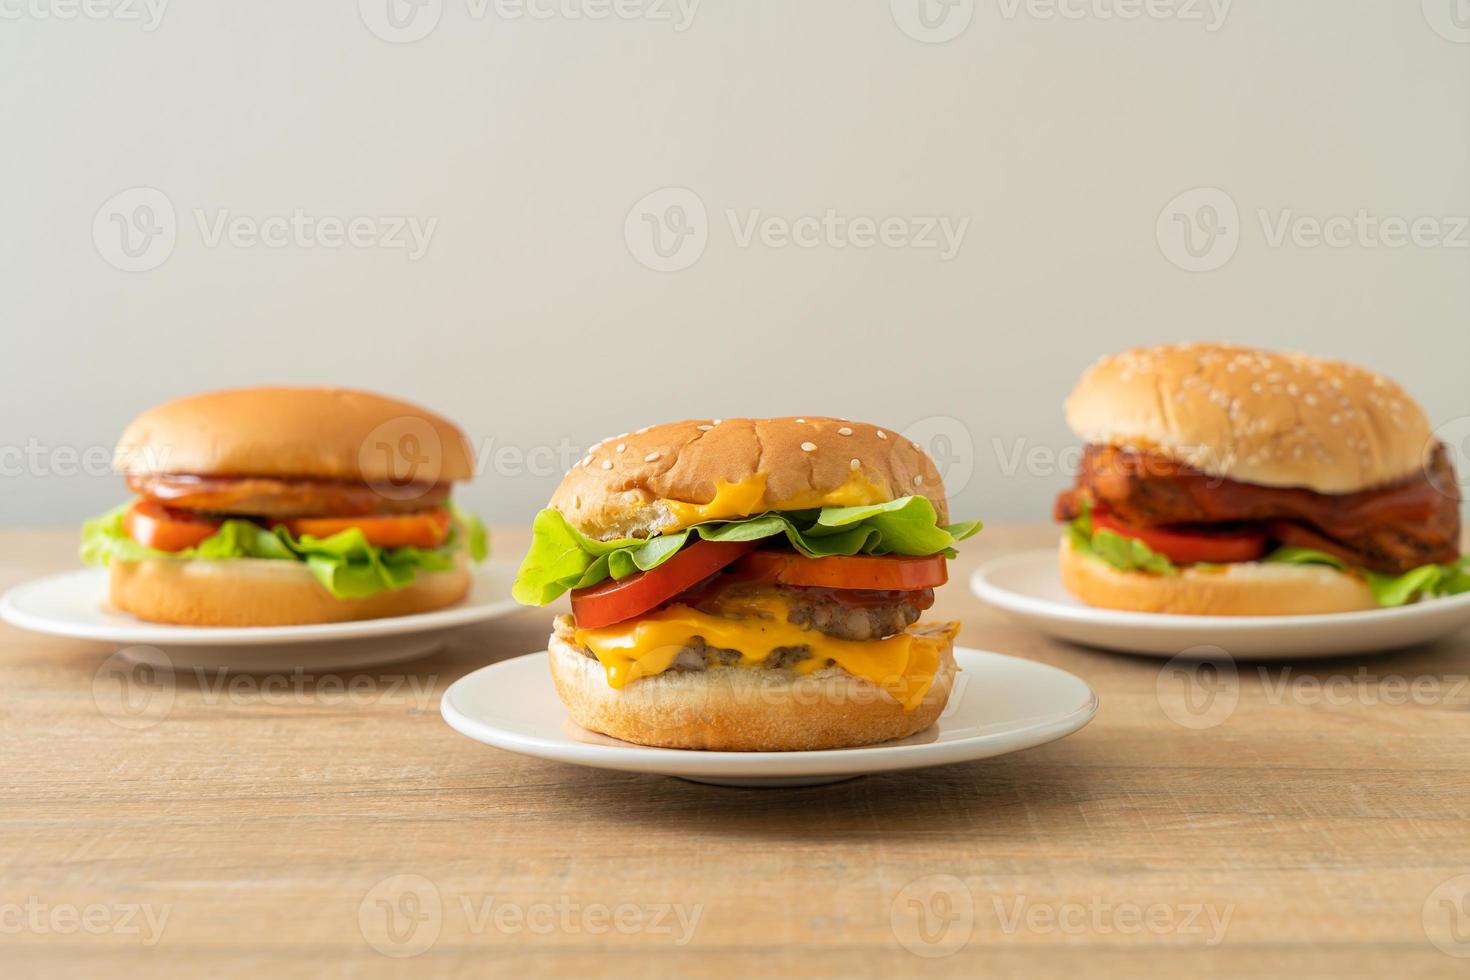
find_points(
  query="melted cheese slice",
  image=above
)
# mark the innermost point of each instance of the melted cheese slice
(903, 665)
(736, 500)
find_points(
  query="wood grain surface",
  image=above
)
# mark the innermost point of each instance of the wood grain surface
(336, 826)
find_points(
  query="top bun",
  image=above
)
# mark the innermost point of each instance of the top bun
(1255, 416)
(310, 433)
(632, 484)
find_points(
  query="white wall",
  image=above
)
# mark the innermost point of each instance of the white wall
(530, 320)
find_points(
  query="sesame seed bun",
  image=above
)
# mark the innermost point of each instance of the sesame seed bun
(742, 709)
(1255, 416)
(309, 433)
(1237, 589)
(264, 592)
(626, 484)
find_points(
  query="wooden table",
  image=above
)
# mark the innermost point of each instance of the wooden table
(1319, 830)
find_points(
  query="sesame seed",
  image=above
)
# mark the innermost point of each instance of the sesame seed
(801, 421)
(808, 447)
(918, 480)
(916, 447)
(844, 431)
(622, 446)
(716, 421)
(607, 464)
(854, 463)
(642, 430)
(704, 428)
(882, 434)
(585, 460)
(652, 456)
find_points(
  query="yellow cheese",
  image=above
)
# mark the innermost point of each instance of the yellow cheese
(903, 665)
(735, 500)
(731, 500)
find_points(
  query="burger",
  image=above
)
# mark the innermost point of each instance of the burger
(283, 506)
(748, 585)
(1231, 481)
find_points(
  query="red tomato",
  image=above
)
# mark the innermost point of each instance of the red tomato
(618, 599)
(1188, 547)
(888, 573)
(153, 525)
(425, 529)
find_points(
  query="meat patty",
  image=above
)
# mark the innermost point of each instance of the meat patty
(856, 615)
(818, 610)
(847, 614)
(1390, 529)
(268, 496)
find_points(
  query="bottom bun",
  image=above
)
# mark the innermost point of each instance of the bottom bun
(265, 592)
(742, 709)
(1238, 589)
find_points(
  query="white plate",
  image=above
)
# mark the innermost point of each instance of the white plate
(75, 604)
(1000, 704)
(1029, 587)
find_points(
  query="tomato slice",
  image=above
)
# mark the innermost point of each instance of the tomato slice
(153, 525)
(1188, 547)
(888, 573)
(424, 529)
(618, 599)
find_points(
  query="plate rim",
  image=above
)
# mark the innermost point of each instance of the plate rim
(168, 634)
(1013, 601)
(882, 757)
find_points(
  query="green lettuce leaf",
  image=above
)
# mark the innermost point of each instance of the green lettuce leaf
(1112, 548)
(562, 558)
(345, 563)
(1390, 590)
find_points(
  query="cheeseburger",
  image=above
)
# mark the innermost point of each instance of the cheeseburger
(280, 506)
(748, 585)
(1221, 480)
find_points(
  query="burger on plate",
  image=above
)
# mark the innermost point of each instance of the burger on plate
(748, 585)
(283, 506)
(1221, 480)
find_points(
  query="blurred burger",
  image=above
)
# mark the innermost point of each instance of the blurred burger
(1222, 480)
(280, 506)
(748, 585)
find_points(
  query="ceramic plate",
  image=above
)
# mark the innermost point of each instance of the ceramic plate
(1028, 586)
(75, 604)
(1000, 704)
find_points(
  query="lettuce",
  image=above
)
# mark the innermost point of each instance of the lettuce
(563, 558)
(1389, 590)
(1112, 548)
(344, 563)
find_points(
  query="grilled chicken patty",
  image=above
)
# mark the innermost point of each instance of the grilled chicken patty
(1390, 529)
